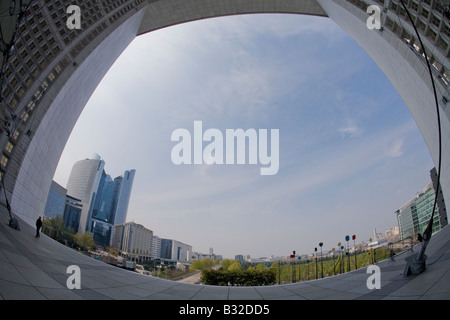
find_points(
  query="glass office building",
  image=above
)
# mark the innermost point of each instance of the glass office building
(123, 197)
(56, 201)
(72, 213)
(413, 217)
(83, 184)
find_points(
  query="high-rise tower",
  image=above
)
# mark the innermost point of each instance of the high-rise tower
(83, 184)
(123, 197)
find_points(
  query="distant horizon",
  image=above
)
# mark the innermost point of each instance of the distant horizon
(233, 257)
(350, 154)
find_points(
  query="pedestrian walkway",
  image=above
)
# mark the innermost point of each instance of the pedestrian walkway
(35, 268)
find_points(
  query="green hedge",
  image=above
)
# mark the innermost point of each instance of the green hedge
(239, 278)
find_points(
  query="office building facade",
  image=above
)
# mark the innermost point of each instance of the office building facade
(413, 217)
(211, 255)
(100, 197)
(155, 252)
(123, 186)
(83, 184)
(56, 201)
(110, 206)
(59, 203)
(133, 241)
(443, 217)
(72, 213)
(176, 251)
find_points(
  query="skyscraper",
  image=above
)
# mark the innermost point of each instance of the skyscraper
(104, 200)
(112, 195)
(83, 184)
(123, 196)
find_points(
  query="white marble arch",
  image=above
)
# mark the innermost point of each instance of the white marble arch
(401, 65)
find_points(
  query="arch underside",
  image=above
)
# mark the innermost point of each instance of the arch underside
(32, 167)
(161, 14)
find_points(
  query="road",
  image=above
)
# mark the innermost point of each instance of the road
(195, 278)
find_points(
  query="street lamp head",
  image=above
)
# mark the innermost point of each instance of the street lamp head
(321, 244)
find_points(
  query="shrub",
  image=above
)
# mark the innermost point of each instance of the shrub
(238, 277)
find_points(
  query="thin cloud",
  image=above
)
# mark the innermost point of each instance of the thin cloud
(352, 131)
(395, 149)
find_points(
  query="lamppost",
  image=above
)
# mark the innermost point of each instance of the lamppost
(307, 267)
(321, 258)
(354, 243)
(317, 274)
(293, 266)
(347, 238)
(334, 261)
(342, 260)
(299, 273)
(279, 271)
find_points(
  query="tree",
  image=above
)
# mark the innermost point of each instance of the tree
(208, 262)
(56, 229)
(201, 264)
(85, 241)
(112, 251)
(196, 265)
(234, 266)
(250, 277)
(226, 263)
(261, 266)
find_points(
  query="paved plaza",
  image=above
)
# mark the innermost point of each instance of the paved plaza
(35, 268)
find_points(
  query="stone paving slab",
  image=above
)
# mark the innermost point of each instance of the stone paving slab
(212, 293)
(35, 269)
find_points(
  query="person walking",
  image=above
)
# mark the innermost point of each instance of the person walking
(38, 227)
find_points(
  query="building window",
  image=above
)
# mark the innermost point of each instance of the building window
(25, 116)
(436, 21)
(21, 92)
(16, 135)
(9, 147)
(443, 44)
(4, 161)
(13, 103)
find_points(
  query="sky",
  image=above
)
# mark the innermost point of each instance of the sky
(350, 153)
